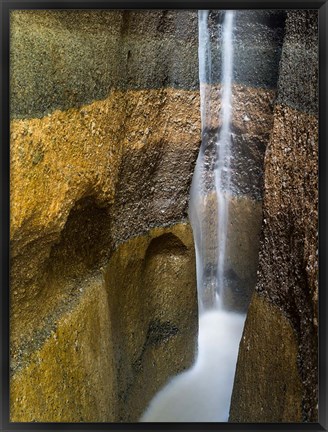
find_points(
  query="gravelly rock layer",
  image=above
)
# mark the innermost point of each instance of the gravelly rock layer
(125, 50)
(299, 67)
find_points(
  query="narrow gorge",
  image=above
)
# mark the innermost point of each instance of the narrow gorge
(106, 128)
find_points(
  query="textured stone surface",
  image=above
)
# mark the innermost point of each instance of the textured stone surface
(125, 50)
(291, 209)
(63, 59)
(67, 169)
(69, 378)
(288, 260)
(299, 67)
(271, 390)
(105, 132)
(153, 305)
(118, 339)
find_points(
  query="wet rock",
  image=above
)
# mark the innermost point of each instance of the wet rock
(244, 217)
(257, 42)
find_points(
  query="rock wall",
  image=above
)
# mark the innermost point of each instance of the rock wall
(154, 317)
(102, 150)
(277, 371)
(105, 131)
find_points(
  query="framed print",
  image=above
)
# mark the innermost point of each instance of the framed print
(162, 262)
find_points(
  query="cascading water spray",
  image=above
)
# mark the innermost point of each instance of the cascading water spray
(223, 171)
(208, 204)
(202, 394)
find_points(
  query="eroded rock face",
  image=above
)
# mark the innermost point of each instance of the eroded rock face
(288, 262)
(105, 131)
(271, 348)
(96, 158)
(66, 376)
(68, 216)
(86, 182)
(118, 335)
(153, 308)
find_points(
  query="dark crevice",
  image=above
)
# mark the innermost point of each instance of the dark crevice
(85, 241)
(165, 244)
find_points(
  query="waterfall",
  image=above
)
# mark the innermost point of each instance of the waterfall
(223, 144)
(208, 204)
(203, 393)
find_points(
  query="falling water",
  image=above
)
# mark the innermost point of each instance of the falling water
(208, 205)
(222, 171)
(202, 394)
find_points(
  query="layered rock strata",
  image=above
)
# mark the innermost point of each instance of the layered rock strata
(277, 370)
(105, 131)
(65, 226)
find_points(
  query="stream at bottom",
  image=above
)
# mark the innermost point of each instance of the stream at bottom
(203, 392)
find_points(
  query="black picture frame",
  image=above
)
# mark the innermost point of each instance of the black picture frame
(6, 6)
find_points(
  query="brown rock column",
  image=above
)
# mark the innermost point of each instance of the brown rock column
(277, 376)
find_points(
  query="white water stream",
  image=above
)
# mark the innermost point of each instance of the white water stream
(203, 393)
